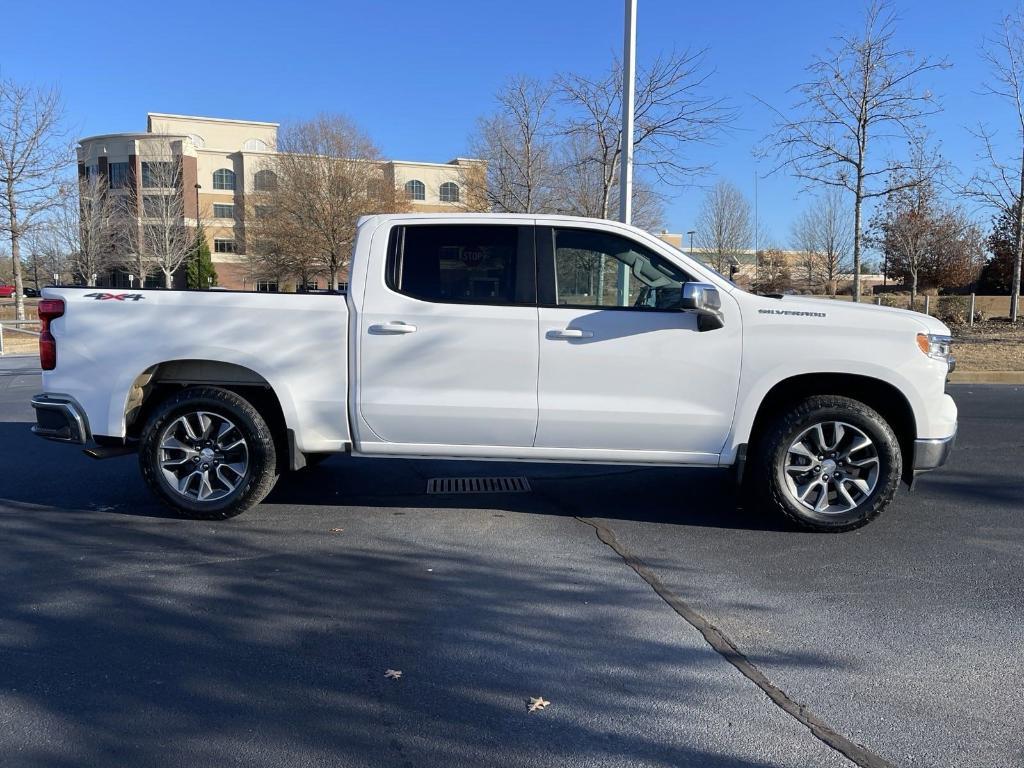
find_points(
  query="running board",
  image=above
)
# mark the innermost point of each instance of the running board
(110, 452)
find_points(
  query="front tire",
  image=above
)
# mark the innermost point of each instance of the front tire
(208, 454)
(828, 463)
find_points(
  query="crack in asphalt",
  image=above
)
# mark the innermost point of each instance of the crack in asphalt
(720, 643)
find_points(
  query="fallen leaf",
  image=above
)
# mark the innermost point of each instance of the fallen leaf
(392, 674)
(536, 704)
(337, 530)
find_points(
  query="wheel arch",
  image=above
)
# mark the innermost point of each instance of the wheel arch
(882, 396)
(158, 382)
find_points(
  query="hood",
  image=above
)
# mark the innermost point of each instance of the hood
(858, 312)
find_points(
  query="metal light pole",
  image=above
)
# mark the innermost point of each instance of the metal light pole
(626, 162)
(691, 233)
(199, 228)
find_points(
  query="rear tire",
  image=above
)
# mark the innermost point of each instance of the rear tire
(208, 454)
(828, 463)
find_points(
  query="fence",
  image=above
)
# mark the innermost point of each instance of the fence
(949, 309)
(12, 326)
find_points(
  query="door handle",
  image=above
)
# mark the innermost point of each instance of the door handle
(569, 333)
(392, 329)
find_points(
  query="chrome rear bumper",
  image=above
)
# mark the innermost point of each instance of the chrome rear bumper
(60, 418)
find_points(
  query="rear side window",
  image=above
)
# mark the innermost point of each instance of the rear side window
(462, 263)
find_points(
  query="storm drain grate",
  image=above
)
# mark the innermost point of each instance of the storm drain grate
(478, 485)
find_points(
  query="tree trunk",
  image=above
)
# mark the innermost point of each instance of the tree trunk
(19, 297)
(913, 288)
(858, 201)
(1015, 283)
(168, 279)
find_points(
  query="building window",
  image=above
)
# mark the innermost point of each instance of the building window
(91, 172)
(223, 211)
(264, 181)
(117, 174)
(221, 245)
(159, 175)
(255, 145)
(197, 141)
(266, 286)
(415, 190)
(449, 192)
(156, 206)
(223, 178)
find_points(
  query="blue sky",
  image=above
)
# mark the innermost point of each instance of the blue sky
(416, 75)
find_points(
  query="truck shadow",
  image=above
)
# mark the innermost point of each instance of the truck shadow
(696, 496)
(60, 476)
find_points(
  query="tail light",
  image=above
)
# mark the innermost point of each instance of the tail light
(49, 309)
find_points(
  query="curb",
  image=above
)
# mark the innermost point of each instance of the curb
(986, 377)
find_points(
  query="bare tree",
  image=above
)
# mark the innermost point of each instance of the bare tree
(31, 156)
(83, 227)
(724, 228)
(329, 174)
(159, 237)
(517, 141)
(1000, 185)
(835, 238)
(581, 189)
(807, 244)
(46, 254)
(902, 229)
(673, 112)
(822, 236)
(860, 97)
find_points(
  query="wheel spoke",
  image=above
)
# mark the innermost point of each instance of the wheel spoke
(822, 503)
(860, 484)
(863, 462)
(802, 450)
(838, 434)
(841, 487)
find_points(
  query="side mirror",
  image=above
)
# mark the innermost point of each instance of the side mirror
(703, 300)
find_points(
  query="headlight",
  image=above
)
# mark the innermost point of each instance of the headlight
(936, 346)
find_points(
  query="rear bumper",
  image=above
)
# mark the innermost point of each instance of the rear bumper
(931, 454)
(60, 418)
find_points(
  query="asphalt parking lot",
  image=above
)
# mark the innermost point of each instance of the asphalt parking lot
(128, 637)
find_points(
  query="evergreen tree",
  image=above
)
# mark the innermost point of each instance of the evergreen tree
(200, 272)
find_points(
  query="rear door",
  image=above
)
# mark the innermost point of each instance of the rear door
(622, 369)
(448, 345)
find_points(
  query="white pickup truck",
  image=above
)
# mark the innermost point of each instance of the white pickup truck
(508, 337)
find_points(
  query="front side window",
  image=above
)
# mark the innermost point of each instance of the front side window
(599, 269)
(223, 246)
(474, 264)
(223, 178)
(223, 211)
(415, 190)
(449, 192)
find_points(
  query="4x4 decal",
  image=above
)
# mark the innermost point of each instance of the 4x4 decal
(115, 296)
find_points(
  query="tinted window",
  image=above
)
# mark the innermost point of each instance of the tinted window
(462, 263)
(599, 269)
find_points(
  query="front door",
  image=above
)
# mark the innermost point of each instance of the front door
(622, 369)
(448, 347)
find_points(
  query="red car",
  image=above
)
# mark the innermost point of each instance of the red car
(6, 291)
